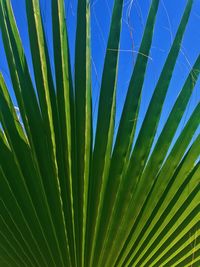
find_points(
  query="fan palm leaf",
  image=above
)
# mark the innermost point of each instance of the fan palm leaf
(72, 197)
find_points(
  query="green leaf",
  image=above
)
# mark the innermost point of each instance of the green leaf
(104, 132)
(164, 141)
(143, 145)
(67, 203)
(83, 124)
(168, 171)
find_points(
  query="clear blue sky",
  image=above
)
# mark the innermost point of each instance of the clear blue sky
(134, 18)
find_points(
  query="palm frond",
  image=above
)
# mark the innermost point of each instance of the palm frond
(70, 196)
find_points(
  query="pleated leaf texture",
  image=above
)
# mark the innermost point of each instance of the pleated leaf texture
(70, 197)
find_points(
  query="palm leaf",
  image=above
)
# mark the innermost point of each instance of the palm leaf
(65, 202)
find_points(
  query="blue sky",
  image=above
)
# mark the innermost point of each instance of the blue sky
(134, 17)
